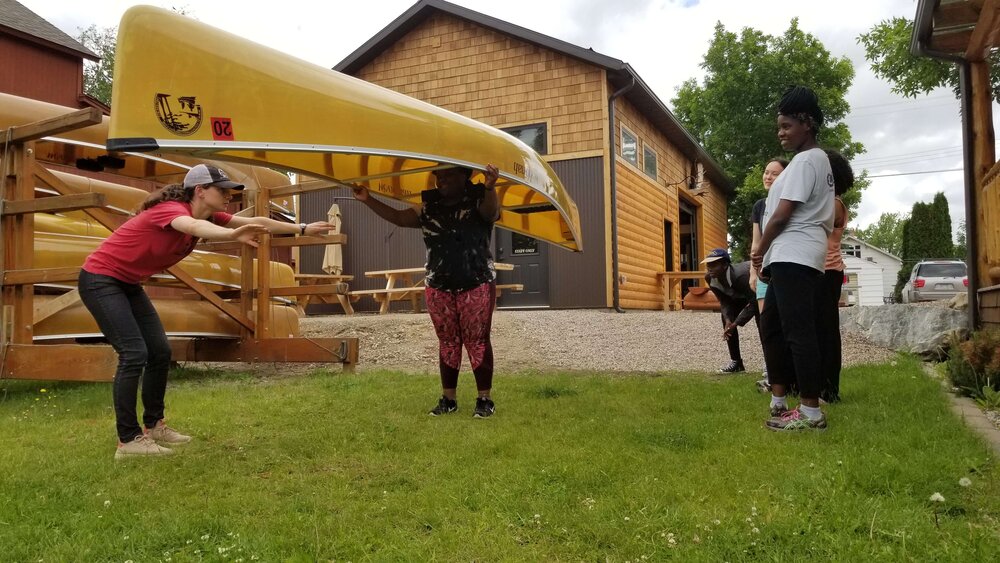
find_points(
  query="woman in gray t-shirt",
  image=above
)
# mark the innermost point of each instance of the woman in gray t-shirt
(790, 257)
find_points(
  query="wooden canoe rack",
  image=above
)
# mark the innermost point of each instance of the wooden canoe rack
(21, 358)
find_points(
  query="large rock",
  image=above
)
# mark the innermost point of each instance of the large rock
(918, 329)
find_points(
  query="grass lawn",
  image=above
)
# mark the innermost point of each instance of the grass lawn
(572, 467)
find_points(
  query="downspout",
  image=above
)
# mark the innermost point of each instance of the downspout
(615, 290)
(918, 48)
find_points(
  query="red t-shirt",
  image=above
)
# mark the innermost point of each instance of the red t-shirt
(146, 244)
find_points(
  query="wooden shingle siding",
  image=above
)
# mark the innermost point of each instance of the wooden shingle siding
(495, 79)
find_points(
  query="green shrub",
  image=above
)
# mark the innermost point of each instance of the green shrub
(975, 364)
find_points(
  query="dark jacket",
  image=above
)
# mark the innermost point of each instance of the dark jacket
(737, 299)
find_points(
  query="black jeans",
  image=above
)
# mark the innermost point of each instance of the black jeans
(788, 328)
(733, 343)
(128, 320)
(828, 332)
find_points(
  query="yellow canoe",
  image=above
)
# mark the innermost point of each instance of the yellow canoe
(182, 86)
(181, 318)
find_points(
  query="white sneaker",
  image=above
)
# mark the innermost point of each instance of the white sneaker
(141, 445)
(161, 433)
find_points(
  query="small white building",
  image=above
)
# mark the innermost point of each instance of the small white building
(871, 272)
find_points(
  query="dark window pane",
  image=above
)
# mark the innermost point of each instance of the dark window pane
(531, 135)
(942, 271)
(629, 148)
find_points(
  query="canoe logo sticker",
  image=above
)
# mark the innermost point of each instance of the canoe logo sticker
(184, 119)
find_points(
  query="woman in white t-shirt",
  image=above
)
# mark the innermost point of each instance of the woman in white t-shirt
(791, 257)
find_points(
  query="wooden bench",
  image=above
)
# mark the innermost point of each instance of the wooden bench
(671, 282)
(402, 284)
(330, 290)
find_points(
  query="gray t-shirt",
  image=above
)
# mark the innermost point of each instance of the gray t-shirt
(809, 181)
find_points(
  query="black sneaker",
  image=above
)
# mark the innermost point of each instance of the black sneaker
(484, 408)
(444, 406)
(733, 367)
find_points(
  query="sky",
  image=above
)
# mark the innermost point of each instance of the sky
(663, 40)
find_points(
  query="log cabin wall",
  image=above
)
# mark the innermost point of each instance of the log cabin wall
(645, 203)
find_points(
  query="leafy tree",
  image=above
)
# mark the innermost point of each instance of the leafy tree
(732, 112)
(887, 48)
(886, 233)
(97, 77)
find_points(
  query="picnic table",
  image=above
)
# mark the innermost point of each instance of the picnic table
(671, 282)
(342, 297)
(408, 284)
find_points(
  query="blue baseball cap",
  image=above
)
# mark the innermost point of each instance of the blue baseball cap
(716, 254)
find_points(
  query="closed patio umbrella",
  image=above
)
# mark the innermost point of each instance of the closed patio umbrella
(333, 257)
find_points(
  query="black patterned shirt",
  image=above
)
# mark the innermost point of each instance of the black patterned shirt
(457, 239)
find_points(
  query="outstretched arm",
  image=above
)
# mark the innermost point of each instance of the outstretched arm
(207, 230)
(280, 227)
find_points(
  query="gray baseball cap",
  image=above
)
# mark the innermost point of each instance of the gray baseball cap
(208, 175)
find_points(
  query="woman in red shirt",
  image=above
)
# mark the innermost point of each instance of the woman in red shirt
(166, 229)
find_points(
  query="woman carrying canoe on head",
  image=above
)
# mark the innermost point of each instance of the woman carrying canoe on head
(456, 219)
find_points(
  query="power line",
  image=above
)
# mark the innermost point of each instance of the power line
(913, 101)
(914, 173)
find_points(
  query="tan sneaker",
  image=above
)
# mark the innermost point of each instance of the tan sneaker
(141, 445)
(162, 433)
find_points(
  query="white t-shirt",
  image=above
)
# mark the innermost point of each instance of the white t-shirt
(809, 181)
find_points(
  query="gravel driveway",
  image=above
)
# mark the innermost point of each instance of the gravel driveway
(635, 341)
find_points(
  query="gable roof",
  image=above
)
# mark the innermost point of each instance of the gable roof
(619, 72)
(22, 22)
(854, 238)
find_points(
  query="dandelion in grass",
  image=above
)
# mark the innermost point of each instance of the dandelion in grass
(965, 482)
(43, 390)
(205, 537)
(107, 503)
(937, 498)
(717, 521)
(755, 530)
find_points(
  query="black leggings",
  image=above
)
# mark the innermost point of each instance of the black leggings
(788, 328)
(828, 333)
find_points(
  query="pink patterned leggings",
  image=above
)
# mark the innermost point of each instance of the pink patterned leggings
(459, 318)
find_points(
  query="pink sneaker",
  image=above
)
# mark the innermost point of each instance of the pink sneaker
(795, 420)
